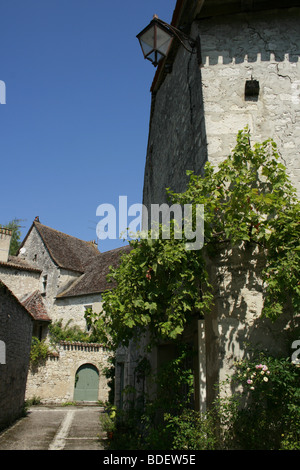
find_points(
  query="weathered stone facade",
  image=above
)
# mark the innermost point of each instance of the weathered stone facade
(57, 277)
(58, 372)
(20, 279)
(15, 334)
(261, 46)
(197, 111)
(61, 266)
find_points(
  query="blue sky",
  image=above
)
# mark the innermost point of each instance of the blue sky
(74, 129)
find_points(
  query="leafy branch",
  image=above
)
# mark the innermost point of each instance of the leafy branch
(248, 201)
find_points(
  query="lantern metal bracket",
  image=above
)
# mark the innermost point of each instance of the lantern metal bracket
(193, 46)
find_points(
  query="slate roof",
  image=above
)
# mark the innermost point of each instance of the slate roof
(18, 263)
(66, 251)
(94, 280)
(77, 255)
(35, 306)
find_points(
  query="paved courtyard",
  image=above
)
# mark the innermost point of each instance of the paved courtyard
(55, 428)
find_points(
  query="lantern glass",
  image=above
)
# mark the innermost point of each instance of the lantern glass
(155, 41)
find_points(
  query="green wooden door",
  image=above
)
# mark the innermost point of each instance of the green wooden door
(86, 383)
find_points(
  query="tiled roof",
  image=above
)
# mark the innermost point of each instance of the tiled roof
(18, 263)
(94, 280)
(66, 251)
(35, 305)
(80, 256)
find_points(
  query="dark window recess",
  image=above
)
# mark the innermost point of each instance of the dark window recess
(45, 279)
(251, 89)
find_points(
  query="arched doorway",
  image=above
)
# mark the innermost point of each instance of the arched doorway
(86, 383)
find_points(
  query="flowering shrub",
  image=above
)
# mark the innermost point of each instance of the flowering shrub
(270, 418)
(259, 375)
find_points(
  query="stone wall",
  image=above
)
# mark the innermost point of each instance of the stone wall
(196, 115)
(67, 309)
(235, 326)
(53, 380)
(177, 140)
(72, 309)
(37, 254)
(197, 112)
(15, 333)
(266, 47)
(20, 282)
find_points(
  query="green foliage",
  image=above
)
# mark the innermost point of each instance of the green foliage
(108, 419)
(144, 427)
(264, 414)
(161, 286)
(250, 200)
(192, 430)
(96, 326)
(70, 333)
(271, 417)
(66, 333)
(39, 351)
(175, 382)
(157, 292)
(34, 401)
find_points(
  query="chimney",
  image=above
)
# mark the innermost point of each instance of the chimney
(5, 238)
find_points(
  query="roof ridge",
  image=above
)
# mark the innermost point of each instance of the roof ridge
(62, 233)
(67, 251)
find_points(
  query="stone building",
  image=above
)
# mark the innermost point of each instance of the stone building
(57, 277)
(248, 75)
(16, 325)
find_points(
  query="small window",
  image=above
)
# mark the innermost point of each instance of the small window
(44, 285)
(251, 90)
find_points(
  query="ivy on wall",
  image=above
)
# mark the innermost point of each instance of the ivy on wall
(161, 286)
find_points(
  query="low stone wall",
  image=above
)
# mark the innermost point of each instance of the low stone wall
(53, 380)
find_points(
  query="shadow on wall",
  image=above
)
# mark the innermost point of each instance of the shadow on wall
(236, 328)
(177, 135)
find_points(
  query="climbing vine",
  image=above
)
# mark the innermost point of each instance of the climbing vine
(39, 351)
(248, 200)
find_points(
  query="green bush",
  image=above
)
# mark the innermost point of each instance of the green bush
(265, 415)
(192, 431)
(39, 350)
(271, 417)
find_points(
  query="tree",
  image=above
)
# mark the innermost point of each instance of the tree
(248, 200)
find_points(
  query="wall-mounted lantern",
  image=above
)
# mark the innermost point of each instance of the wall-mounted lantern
(156, 39)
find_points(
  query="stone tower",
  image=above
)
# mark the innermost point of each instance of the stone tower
(249, 75)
